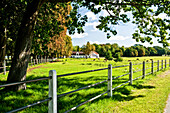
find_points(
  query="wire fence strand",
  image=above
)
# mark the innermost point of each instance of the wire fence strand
(81, 88)
(30, 105)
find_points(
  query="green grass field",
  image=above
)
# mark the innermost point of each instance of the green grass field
(145, 95)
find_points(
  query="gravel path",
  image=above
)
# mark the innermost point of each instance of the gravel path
(167, 108)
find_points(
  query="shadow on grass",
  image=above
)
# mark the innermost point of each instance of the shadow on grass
(2, 82)
(143, 86)
(15, 99)
(39, 90)
(119, 97)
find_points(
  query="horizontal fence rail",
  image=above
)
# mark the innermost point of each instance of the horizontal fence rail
(81, 72)
(148, 68)
(30, 105)
(120, 85)
(149, 73)
(22, 82)
(52, 99)
(82, 88)
(120, 76)
(28, 81)
(137, 71)
(1, 67)
(138, 77)
(120, 66)
(86, 102)
(31, 62)
(138, 64)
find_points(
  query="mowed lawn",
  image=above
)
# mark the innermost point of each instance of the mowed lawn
(145, 95)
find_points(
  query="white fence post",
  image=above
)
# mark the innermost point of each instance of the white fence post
(152, 67)
(37, 61)
(45, 59)
(143, 70)
(34, 62)
(52, 105)
(130, 73)
(162, 64)
(109, 87)
(158, 66)
(165, 63)
(4, 67)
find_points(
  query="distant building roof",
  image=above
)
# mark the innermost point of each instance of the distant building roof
(95, 52)
(80, 53)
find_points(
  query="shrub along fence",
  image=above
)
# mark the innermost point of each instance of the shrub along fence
(52, 105)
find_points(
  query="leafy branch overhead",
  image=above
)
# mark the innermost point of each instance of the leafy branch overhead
(145, 17)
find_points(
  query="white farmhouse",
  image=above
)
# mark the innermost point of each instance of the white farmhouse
(94, 54)
(80, 54)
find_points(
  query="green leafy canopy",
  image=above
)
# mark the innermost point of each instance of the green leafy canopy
(145, 17)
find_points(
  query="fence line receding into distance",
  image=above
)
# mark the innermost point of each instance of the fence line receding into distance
(52, 98)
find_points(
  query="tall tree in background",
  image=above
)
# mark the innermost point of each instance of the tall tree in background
(141, 52)
(68, 46)
(93, 48)
(87, 48)
(109, 55)
(152, 51)
(76, 48)
(55, 42)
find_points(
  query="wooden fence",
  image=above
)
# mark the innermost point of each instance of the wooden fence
(39, 61)
(5, 66)
(52, 105)
(31, 62)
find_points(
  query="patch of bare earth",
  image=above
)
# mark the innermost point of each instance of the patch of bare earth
(167, 108)
(30, 69)
(164, 74)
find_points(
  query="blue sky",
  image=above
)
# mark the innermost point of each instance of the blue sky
(93, 35)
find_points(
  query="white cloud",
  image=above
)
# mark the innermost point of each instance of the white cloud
(118, 38)
(104, 13)
(97, 6)
(91, 16)
(162, 16)
(94, 24)
(76, 35)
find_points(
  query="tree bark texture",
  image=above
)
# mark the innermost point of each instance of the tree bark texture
(3, 41)
(23, 45)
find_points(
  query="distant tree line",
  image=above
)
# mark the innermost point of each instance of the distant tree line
(114, 50)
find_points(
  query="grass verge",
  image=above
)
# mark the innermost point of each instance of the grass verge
(137, 97)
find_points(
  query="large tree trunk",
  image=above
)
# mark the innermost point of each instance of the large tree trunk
(3, 41)
(23, 45)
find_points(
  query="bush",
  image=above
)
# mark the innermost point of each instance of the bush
(64, 62)
(110, 58)
(118, 57)
(109, 55)
(89, 63)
